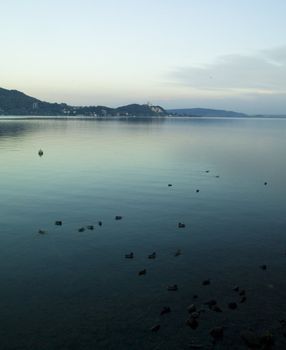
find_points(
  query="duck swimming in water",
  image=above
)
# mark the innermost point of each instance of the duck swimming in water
(40, 153)
(142, 272)
(152, 256)
(178, 252)
(129, 256)
(172, 288)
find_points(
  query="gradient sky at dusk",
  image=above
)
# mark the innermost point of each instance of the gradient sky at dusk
(227, 54)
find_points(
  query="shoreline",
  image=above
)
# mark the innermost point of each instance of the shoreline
(118, 118)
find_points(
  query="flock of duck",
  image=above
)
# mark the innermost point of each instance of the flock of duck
(249, 337)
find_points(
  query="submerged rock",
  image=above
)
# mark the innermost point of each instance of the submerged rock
(155, 328)
(216, 308)
(267, 339)
(191, 308)
(210, 303)
(250, 339)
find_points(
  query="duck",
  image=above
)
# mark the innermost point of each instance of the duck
(129, 256)
(99, 223)
(90, 227)
(142, 272)
(165, 310)
(118, 217)
(181, 225)
(82, 229)
(178, 252)
(152, 256)
(172, 288)
(58, 223)
(40, 153)
(42, 232)
(232, 305)
(206, 282)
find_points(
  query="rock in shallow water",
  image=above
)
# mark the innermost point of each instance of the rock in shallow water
(250, 339)
(155, 328)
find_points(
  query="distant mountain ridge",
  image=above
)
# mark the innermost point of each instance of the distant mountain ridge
(13, 102)
(204, 112)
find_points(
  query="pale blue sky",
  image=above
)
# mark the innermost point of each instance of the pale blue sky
(178, 53)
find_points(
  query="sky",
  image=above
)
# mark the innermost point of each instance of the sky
(228, 54)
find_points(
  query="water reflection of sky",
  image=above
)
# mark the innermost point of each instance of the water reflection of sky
(94, 170)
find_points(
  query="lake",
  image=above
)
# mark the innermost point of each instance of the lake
(70, 290)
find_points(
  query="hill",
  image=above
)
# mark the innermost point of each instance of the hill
(13, 102)
(205, 112)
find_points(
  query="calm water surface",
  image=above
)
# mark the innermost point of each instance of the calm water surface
(72, 290)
